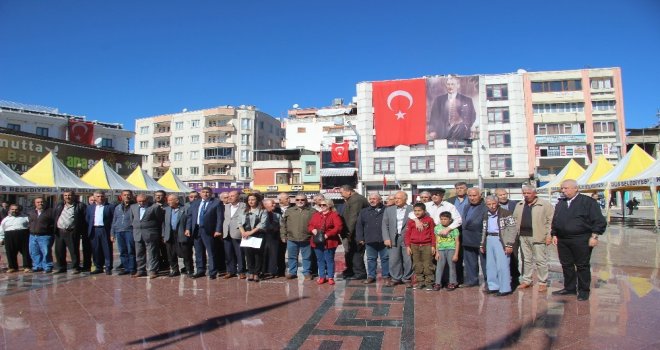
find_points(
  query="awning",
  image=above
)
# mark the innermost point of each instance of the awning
(329, 172)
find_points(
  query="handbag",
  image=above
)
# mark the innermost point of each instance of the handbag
(319, 237)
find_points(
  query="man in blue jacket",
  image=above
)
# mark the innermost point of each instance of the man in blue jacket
(472, 225)
(369, 233)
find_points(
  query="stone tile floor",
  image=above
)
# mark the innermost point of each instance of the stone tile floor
(39, 311)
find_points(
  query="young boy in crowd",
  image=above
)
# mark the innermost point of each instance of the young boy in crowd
(446, 251)
(420, 244)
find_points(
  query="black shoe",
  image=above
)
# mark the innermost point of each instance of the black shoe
(60, 271)
(199, 274)
(174, 274)
(48, 271)
(96, 272)
(488, 291)
(503, 294)
(564, 292)
(190, 275)
(122, 273)
(108, 272)
(212, 277)
(469, 285)
(77, 271)
(582, 296)
(355, 277)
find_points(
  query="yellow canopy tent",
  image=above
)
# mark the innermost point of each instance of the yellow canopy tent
(572, 170)
(595, 170)
(173, 183)
(141, 180)
(104, 177)
(633, 164)
(10, 182)
(649, 179)
(50, 171)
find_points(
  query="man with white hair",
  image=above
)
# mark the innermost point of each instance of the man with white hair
(395, 219)
(533, 218)
(471, 237)
(369, 234)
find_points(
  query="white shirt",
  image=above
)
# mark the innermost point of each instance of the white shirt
(233, 208)
(98, 215)
(203, 206)
(400, 217)
(13, 223)
(435, 210)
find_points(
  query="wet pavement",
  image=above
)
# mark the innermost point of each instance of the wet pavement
(40, 311)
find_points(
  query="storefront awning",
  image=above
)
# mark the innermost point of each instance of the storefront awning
(328, 172)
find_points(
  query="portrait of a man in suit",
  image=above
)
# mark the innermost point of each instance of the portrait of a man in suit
(452, 114)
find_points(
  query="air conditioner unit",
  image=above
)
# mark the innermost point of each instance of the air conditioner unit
(467, 150)
(508, 173)
(405, 186)
(494, 173)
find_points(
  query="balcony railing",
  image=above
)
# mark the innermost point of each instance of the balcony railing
(219, 160)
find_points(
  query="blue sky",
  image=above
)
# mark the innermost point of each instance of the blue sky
(118, 60)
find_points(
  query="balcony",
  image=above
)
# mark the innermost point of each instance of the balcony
(218, 177)
(162, 165)
(219, 129)
(219, 144)
(161, 149)
(561, 138)
(222, 160)
(162, 133)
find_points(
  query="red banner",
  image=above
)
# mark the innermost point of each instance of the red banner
(81, 132)
(400, 112)
(339, 152)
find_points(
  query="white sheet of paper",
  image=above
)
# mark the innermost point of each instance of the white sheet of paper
(251, 242)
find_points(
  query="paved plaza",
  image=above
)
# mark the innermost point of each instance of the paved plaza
(46, 311)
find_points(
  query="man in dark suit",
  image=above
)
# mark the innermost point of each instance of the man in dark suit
(42, 228)
(203, 224)
(70, 224)
(99, 225)
(471, 237)
(353, 252)
(177, 243)
(147, 225)
(452, 115)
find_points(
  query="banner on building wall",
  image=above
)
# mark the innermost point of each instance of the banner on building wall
(339, 152)
(400, 112)
(81, 132)
(452, 104)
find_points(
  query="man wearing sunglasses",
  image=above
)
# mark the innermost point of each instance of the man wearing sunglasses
(293, 231)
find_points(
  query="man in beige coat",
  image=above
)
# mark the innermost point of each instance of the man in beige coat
(533, 219)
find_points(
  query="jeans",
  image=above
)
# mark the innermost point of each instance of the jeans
(446, 256)
(126, 247)
(41, 253)
(325, 258)
(497, 266)
(375, 250)
(292, 249)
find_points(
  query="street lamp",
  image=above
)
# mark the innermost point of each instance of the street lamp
(358, 160)
(480, 147)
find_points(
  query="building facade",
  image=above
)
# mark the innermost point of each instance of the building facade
(298, 172)
(211, 147)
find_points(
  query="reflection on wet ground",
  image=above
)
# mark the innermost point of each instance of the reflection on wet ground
(39, 311)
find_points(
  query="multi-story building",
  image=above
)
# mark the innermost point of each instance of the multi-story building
(646, 138)
(211, 147)
(497, 157)
(297, 172)
(573, 114)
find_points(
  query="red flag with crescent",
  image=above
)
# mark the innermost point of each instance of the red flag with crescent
(81, 132)
(339, 152)
(400, 112)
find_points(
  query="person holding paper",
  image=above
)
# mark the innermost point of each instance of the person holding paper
(252, 225)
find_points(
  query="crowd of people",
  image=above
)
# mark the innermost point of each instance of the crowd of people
(433, 244)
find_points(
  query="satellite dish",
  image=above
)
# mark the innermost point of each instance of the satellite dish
(98, 141)
(295, 106)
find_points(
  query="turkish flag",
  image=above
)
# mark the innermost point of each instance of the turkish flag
(81, 132)
(384, 181)
(400, 112)
(339, 152)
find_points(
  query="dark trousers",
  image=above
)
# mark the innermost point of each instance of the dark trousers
(163, 263)
(204, 244)
(271, 253)
(101, 249)
(574, 256)
(67, 240)
(471, 257)
(86, 251)
(234, 256)
(513, 267)
(172, 248)
(219, 254)
(254, 259)
(354, 257)
(146, 255)
(185, 250)
(18, 241)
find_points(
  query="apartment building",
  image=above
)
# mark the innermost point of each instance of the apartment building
(210, 147)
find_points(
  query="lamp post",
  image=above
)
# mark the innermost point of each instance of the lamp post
(358, 159)
(480, 178)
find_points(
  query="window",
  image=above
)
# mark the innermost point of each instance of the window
(163, 144)
(378, 149)
(144, 130)
(178, 156)
(246, 124)
(194, 155)
(497, 92)
(261, 126)
(194, 139)
(144, 144)
(310, 168)
(458, 144)
(302, 130)
(604, 105)
(559, 129)
(245, 172)
(178, 140)
(601, 83)
(106, 143)
(15, 127)
(245, 140)
(194, 123)
(281, 179)
(425, 146)
(194, 170)
(604, 127)
(178, 126)
(498, 115)
(422, 164)
(384, 165)
(459, 164)
(161, 128)
(218, 153)
(558, 107)
(245, 156)
(295, 179)
(499, 138)
(42, 131)
(178, 171)
(557, 85)
(162, 158)
(219, 171)
(501, 162)
(554, 151)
